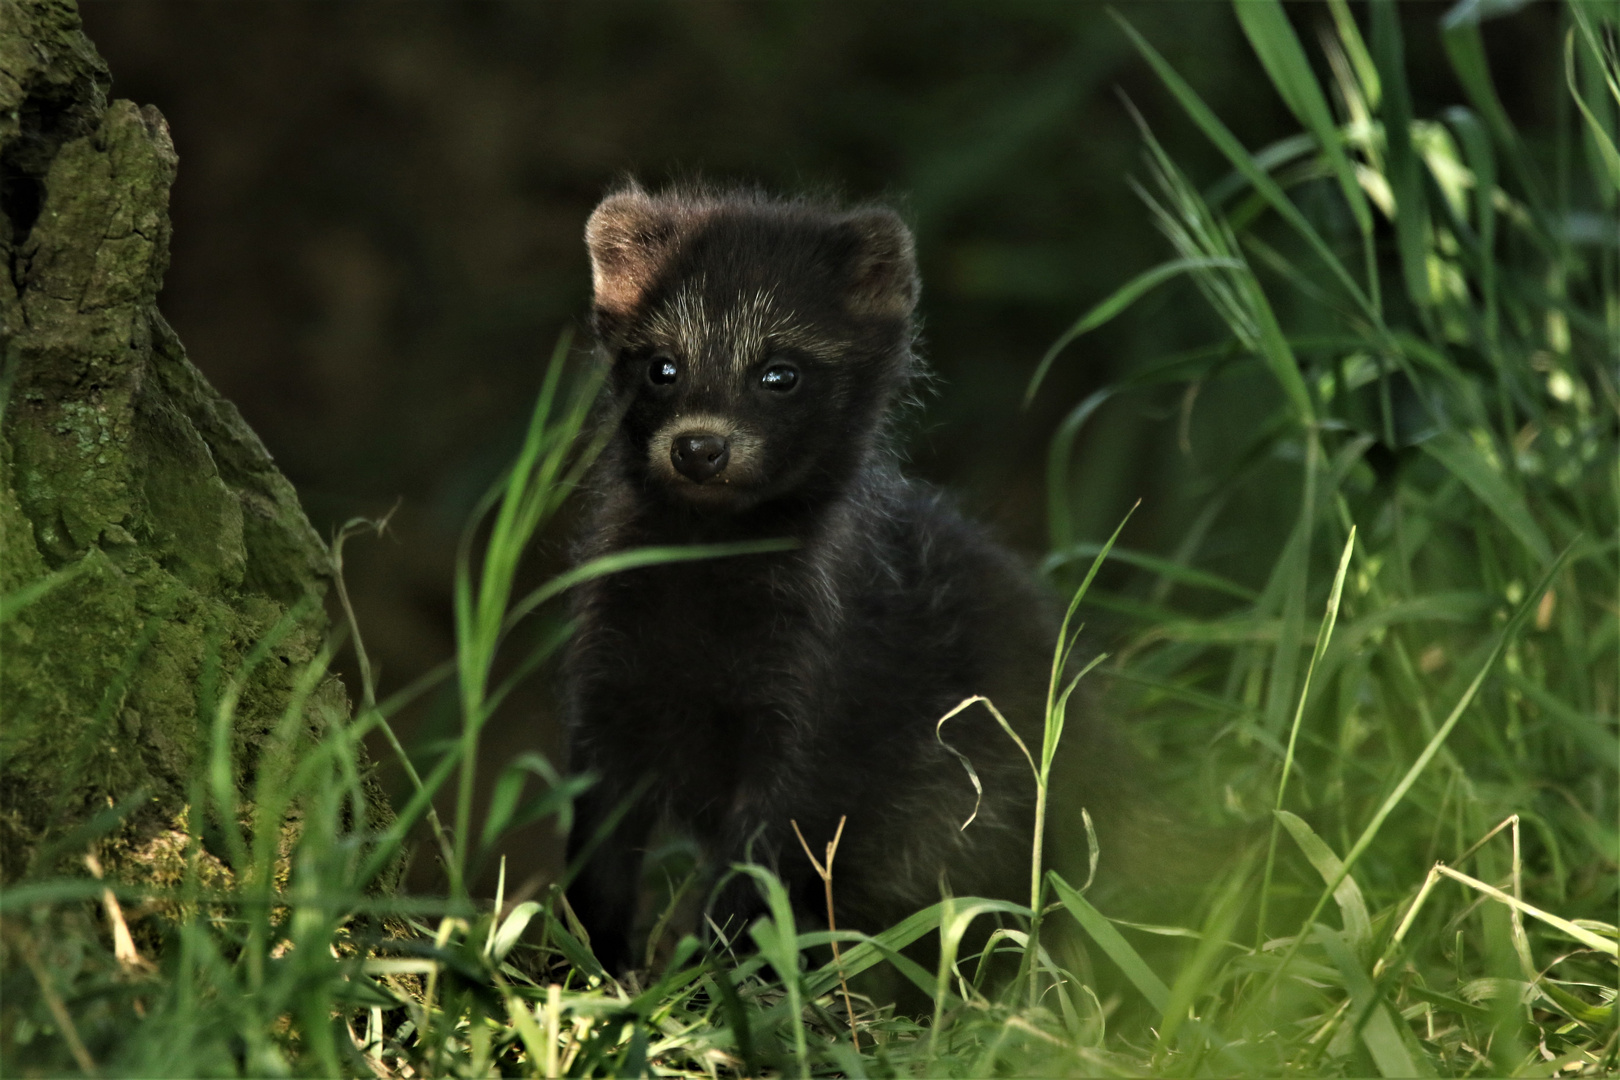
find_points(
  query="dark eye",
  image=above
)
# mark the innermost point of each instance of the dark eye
(780, 377)
(663, 370)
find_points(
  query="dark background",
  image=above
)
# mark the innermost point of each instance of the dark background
(378, 238)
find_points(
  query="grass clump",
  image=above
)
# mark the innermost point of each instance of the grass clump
(1409, 709)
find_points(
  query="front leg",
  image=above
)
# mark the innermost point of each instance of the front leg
(605, 858)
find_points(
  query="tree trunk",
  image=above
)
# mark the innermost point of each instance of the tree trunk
(166, 542)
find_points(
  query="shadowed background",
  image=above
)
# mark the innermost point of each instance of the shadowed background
(378, 240)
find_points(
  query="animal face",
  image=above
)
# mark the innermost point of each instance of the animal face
(755, 345)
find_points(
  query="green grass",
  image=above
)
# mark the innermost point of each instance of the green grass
(1406, 703)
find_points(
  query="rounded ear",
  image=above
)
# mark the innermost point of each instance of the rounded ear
(628, 236)
(883, 270)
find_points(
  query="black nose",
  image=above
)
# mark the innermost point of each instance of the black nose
(699, 457)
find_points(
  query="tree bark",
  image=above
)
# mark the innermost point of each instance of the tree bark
(169, 542)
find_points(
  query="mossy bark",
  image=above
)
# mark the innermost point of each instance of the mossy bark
(171, 543)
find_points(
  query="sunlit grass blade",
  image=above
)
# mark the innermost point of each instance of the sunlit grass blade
(1585, 937)
(1404, 171)
(1274, 41)
(1355, 48)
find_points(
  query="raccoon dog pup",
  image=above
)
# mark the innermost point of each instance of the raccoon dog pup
(757, 347)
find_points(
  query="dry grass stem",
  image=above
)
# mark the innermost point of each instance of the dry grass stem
(59, 1013)
(825, 872)
(123, 944)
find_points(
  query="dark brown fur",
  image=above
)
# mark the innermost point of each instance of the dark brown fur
(742, 693)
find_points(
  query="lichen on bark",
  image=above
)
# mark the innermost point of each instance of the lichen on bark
(171, 544)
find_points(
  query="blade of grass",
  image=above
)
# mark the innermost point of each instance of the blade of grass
(1465, 48)
(20, 598)
(1112, 942)
(1481, 158)
(1186, 219)
(1606, 152)
(870, 951)
(1355, 47)
(1464, 461)
(1267, 28)
(1228, 144)
(1118, 301)
(777, 939)
(1352, 905)
(1405, 178)
(633, 559)
(1052, 733)
(1394, 798)
(1165, 568)
(1585, 937)
(1324, 634)
(1060, 453)
(1217, 931)
(1378, 1030)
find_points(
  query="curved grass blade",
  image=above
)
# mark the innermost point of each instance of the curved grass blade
(1465, 48)
(1355, 48)
(1191, 980)
(1599, 138)
(635, 559)
(1347, 894)
(872, 949)
(1165, 568)
(1060, 452)
(967, 765)
(1236, 295)
(1122, 298)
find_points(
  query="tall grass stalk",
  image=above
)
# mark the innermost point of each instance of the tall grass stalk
(1323, 635)
(1056, 716)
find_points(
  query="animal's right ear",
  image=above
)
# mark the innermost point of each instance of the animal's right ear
(628, 236)
(883, 264)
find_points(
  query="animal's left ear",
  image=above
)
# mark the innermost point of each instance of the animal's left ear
(883, 270)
